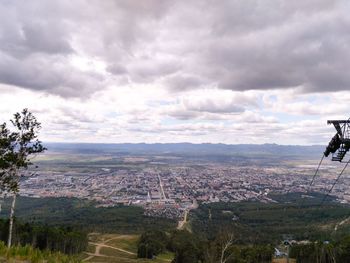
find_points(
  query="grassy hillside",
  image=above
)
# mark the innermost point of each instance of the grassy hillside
(25, 254)
(119, 249)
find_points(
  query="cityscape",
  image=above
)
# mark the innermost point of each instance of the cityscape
(168, 190)
(174, 131)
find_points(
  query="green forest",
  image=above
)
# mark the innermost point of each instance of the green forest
(256, 222)
(62, 239)
(252, 229)
(84, 215)
(190, 248)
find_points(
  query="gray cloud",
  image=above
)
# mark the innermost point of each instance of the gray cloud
(182, 45)
(183, 81)
(254, 45)
(149, 70)
(213, 105)
(47, 74)
(38, 41)
(28, 28)
(276, 46)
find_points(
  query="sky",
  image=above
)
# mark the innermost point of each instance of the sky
(197, 71)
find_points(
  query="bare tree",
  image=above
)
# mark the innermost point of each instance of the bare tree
(220, 249)
(226, 243)
(16, 149)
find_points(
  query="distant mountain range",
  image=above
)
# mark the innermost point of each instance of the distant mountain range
(187, 149)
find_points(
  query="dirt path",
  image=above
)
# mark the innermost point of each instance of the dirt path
(98, 247)
(183, 222)
(341, 223)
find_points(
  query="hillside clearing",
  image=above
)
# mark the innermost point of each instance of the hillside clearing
(118, 248)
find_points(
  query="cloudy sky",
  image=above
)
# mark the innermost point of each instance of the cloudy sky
(228, 71)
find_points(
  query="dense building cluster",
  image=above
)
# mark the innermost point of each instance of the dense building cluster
(169, 190)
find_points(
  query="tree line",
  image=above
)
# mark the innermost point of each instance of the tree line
(322, 252)
(189, 248)
(224, 248)
(256, 222)
(44, 237)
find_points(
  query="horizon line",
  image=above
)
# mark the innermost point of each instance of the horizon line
(192, 143)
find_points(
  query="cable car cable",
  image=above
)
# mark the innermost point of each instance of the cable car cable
(312, 181)
(335, 182)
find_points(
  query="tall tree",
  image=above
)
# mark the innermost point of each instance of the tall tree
(16, 149)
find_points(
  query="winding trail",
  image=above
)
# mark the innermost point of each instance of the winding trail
(98, 247)
(341, 223)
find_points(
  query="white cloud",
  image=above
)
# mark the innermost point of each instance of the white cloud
(165, 71)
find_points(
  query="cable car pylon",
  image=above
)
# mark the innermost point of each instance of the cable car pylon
(338, 147)
(340, 143)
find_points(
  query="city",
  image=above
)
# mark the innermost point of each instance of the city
(174, 131)
(168, 190)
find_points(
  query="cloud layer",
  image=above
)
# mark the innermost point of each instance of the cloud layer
(153, 70)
